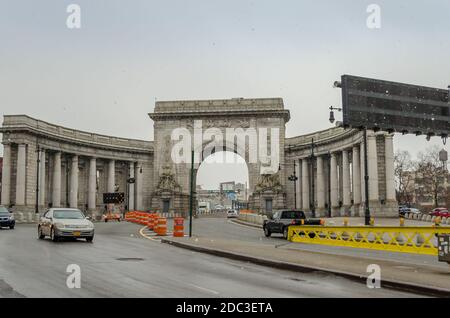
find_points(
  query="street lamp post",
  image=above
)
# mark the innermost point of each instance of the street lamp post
(366, 168)
(293, 177)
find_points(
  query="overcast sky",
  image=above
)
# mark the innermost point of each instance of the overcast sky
(106, 76)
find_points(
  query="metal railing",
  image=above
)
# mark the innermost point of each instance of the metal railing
(418, 240)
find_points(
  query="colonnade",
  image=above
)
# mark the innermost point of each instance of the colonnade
(338, 178)
(18, 166)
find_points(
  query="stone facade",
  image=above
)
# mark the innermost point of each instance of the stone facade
(75, 168)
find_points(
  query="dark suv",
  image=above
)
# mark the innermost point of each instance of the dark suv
(6, 218)
(281, 220)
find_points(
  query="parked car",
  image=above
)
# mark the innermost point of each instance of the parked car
(6, 218)
(232, 213)
(281, 220)
(442, 212)
(69, 223)
(402, 210)
(414, 210)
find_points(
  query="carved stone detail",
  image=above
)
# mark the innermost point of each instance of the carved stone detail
(269, 182)
(167, 182)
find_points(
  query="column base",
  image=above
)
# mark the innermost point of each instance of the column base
(355, 210)
(335, 211)
(25, 214)
(345, 211)
(321, 212)
(387, 210)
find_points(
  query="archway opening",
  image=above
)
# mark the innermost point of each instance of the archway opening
(222, 183)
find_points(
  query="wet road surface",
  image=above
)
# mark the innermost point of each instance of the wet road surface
(120, 263)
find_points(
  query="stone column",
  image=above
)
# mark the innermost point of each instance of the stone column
(320, 187)
(42, 177)
(305, 185)
(73, 198)
(373, 166)
(299, 185)
(6, 175)
(363, 181)
(345, 181)
(138, 186)
(92, 185)
(356, 175)
(131, 188)
(56, 186)
(389, 155)
(334, 186)
(21, 174)
(111, 176)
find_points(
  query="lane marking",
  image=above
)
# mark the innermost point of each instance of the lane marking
(205, 289)
(141, 232)
(153, 236)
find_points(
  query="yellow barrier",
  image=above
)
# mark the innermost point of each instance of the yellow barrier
(419, 240)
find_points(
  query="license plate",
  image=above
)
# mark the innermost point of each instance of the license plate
(76, 233)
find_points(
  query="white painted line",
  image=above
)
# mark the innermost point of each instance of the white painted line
(205, 289)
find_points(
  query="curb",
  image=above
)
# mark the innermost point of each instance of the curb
(397, 285)
(256, 226)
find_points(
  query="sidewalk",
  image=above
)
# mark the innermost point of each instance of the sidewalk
(421, 278)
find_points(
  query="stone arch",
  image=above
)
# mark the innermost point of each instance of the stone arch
(227, 117)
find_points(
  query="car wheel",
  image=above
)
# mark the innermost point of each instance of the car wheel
(53, 237)
(89, 239)
(267, 232)
(285, 232)
(11, 227)
(41, 235)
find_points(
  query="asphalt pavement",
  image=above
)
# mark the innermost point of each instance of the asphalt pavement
(223, 228)
(121, 263)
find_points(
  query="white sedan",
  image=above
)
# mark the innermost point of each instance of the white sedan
(232, 214)
(59, 223)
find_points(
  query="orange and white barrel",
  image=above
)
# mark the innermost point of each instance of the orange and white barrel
(162, 227)
(178, 227)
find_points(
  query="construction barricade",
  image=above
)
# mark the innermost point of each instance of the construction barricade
(418, 240)
(178, 227)
(152, 221)
(161, 227)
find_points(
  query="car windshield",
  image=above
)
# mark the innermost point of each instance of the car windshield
(3, 210)
(68, 214)
(293, 215)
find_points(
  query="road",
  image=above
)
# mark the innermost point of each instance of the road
(121, 263)
(226, 229)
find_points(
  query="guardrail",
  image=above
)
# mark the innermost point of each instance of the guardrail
(426, 218)
(418, 240)
(252, 218)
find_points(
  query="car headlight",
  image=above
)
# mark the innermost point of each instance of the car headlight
(60, 225)
(11, 217)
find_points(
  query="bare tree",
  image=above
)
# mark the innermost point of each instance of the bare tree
(404, 176)
(432, 175)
